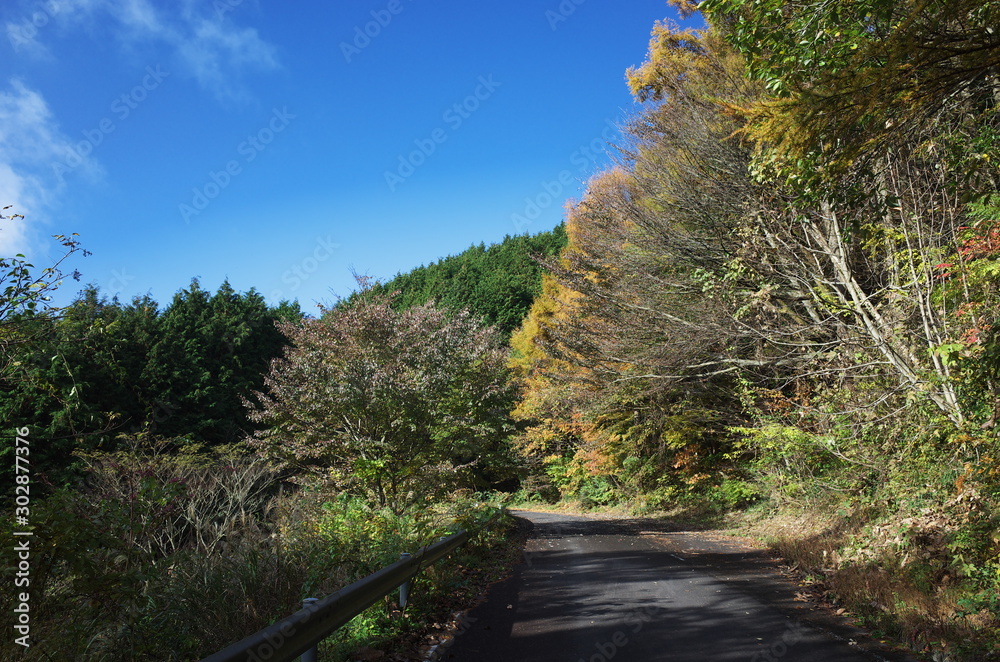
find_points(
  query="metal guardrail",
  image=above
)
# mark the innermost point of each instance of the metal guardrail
(299, 633)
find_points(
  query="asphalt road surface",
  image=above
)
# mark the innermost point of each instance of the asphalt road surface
(596, 590)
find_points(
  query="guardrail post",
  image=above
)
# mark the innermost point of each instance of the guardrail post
(311, 655)
(404, 588)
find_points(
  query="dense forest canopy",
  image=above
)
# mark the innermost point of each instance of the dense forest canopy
(101, 369)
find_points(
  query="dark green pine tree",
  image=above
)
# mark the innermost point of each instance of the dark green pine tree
(178, 371)
(33, 394)
(243, 339)
(102, 369)
(138, 329)
(212, 352)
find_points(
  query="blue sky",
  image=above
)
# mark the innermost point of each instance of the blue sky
(283, 145)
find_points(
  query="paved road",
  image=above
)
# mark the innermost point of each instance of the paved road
(595, 590)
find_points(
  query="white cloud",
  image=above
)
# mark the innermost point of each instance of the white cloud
(140, 16)
(13, 235)
(218, 53)
(31, 148)
(207, 44)
(27, 33)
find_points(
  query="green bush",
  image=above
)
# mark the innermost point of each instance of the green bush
(737, 493)
(597, 491)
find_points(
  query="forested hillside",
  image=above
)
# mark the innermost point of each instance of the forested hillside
(497, 283)
(102, 370)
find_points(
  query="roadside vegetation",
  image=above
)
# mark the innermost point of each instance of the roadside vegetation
(782, 301)
(172, 556)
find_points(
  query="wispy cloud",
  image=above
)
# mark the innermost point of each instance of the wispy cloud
(219, 53)
(140, 16)
(207, 45)
(199, 42)
(30, 143)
